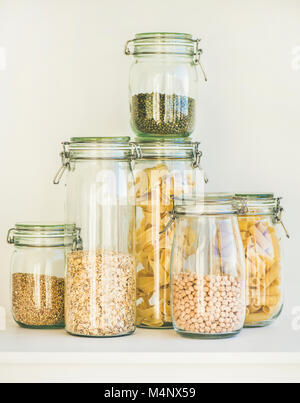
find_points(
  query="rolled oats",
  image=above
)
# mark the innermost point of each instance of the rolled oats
(100, 294)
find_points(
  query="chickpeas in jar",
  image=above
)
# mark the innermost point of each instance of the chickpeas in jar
(208, 287)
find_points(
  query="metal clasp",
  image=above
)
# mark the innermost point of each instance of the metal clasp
(10, 236)
(77, 243)
(197, 159)
(197, 58)
(278, 216)
(137, 152)
(243, 208)
(65, 158)
(128, 52)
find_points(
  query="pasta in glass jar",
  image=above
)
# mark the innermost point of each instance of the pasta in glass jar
(260, 214)
(163, 169)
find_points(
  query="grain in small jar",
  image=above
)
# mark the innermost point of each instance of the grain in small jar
(38, 273)
(208, 286)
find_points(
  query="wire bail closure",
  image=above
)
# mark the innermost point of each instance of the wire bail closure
(10, 237)
(278, 210)
(65, 157)
(243, 209)
(136, 151)
(278, 216)
(198, 154)
(197, 57)
(77, 243)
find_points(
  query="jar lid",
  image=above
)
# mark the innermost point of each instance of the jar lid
(107, 148)
(166, 43)
(253, 196)
(211, 204)
(261, 204)
(167, 149)
(94, 148)
(257, 203)
(100, 140)
(37, 233)
(162, 43)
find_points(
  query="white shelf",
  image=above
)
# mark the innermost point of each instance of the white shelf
(276, 348)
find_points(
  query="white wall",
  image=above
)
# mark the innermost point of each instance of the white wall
(66, 75)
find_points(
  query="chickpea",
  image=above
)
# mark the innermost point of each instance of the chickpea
(209, 304)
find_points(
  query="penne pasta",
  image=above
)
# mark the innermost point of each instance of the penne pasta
(273, 274)
(263, 269)
(258, 317)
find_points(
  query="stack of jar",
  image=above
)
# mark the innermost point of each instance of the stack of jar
(143, 244)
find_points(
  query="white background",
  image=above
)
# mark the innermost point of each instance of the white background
(65, 75)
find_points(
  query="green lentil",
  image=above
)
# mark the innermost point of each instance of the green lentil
(163, 115)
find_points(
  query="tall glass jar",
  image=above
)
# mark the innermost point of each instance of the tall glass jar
(260, 214)
(162, 170)
(208, 282)
(164, 84)
(101, 275)
(38, 273)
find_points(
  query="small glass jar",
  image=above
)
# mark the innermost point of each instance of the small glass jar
(101, 275)
(38, 273)
(162, 170)
(208, 269)
(258, 219)
(164, 84)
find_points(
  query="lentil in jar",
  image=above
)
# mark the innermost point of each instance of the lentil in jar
(163, 115)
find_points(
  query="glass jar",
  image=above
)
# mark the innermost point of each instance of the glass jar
(101, 275)
(208, 269)
(162, 170)
(164, 84)
(260, 214)
(38, 273)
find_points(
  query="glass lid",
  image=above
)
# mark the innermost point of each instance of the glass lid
(101, 140)
(164, 35)
(30, 233)
(165, 43)
(169, 148)
(41, 226)
(257, 203)
(98, 143)
(255, 196)
(162, 43)
(209, 204)
(84, 148)
(43, 229)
